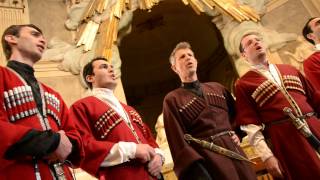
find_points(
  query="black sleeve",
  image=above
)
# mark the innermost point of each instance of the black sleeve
(232, 114)
(35, 144)
(75, 150)
(196, 171)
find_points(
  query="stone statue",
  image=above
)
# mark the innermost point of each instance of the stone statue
(73, 58)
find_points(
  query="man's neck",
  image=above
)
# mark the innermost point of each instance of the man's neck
(317, 46)
(103, 89)
(23, 57)
(260, 62)
(22, 60)
(188, 79)
(316, 40)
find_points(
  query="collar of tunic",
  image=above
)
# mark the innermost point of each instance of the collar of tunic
(27, 73)
(107, 96)
(193, 87)
(270, 73)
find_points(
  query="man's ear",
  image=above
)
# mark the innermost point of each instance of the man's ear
(243, 54)
(90, 78)
(173, 67)
(310, 36)
(11, 39)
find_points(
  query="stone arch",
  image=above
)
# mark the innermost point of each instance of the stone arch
(154, 34)
(228, 30)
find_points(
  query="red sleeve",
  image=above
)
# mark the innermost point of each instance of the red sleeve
(95, 150)
(182, 153)
(312, 94)
(10, 133)
(245, 107)
(311, 68)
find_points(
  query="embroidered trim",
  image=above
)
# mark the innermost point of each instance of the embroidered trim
(296, 88)
(111, 127)
(291, 77)
(102, 119)
(260, 88)
(217, 95)
(271, 88)
(264, 92)
(18, 103)
(42, 120)
(137, 119)
(52, 100)
(215, 99)
(192, 108)
(185, 106)
(293, 82)
(107, 122)
(286, 94)
(55, 116)
(268, 97)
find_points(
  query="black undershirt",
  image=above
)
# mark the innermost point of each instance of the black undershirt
(194, 87)
(27, 73)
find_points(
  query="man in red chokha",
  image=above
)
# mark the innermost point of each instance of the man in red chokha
(311, 65)
(37, 136)
(117, 144)
(261, 96)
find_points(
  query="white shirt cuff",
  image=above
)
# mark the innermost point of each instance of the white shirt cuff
(120, 152)
(257, 140)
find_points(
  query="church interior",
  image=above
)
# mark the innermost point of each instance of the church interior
(145, 37)
(146, 73)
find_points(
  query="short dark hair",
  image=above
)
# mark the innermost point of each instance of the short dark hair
(88, 69)
(241, 48)
(307, 30)
(15, 31)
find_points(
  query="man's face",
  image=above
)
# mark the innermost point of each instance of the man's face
(314, 25)
(30, 43)
(253, 48)
(185, 63)
(103, 75)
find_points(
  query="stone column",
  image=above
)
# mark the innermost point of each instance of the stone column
(10, 14)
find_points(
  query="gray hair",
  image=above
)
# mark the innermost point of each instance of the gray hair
(180, 45)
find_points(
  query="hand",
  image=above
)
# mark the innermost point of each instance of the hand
(155, 165)
(273, 167)
(63, 150)
(144, 152)
(235, 139)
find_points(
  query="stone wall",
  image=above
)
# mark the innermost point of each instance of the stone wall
(289, 17)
